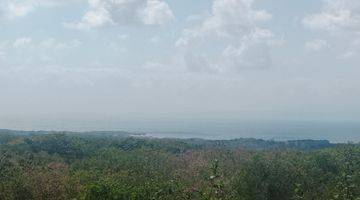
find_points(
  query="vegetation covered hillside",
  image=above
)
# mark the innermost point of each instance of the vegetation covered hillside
(119, 166)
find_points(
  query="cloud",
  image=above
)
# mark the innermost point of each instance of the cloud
(316, 45)
(22, 42)
(336, 15)
(124, 12)
(52, 43)
(154, 39)
(10, 9)
(234, 29)
(45, 44)
(339, 20)
(15, 9)
(30, 51)
(347, 55)
(156, 13)
(123, 36)
(3, 45)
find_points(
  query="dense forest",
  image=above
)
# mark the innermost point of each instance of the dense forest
(124, 166)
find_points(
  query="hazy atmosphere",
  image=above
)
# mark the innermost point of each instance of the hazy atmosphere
(179, 99)
(111, 60)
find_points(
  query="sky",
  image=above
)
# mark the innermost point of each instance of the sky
(169, 59)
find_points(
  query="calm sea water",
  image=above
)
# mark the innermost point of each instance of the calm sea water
(212, 129)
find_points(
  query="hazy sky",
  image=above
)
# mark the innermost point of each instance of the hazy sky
(273, 59)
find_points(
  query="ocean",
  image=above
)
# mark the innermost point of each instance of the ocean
(207, 129)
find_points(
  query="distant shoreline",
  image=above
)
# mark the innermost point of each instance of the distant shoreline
(336, 132)
(126, 134)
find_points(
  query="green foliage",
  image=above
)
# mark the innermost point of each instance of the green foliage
(95, 167)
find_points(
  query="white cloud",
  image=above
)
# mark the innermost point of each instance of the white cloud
(92, 19)
(45, 44)
(340, 19)
(14, 9)
(154, 39)
(336, 15)
(32, 51)
(123, 36)
(247, 56)
(11, 9)
(22, 42)
(347, 55)
(234, 27)
(52, 43)
(316, 45)
(3, 45)
(117, 47)
(107, 12)
(156, 13)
